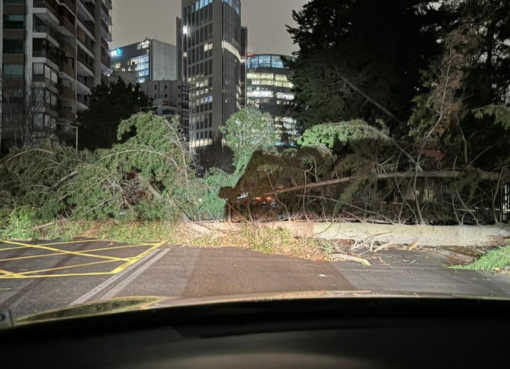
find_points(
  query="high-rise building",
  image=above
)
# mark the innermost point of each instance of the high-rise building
(53, 52)
(170, 98)
(270, 90)
(210, 41)
(152, 60)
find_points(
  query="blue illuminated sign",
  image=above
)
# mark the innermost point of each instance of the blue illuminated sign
(116, 53)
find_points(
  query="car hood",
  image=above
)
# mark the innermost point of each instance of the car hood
(125, 304)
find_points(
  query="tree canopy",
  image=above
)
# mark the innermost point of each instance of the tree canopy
(351, 50)
(110, 104)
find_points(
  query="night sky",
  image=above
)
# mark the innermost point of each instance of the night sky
(134, 20)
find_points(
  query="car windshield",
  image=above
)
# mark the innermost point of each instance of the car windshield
(185, 149)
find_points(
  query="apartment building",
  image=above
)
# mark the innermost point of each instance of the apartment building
(53, 53)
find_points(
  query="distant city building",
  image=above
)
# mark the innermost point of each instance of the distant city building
(270, 90)
(170, 98)
(212, 47)
(127, 77)
(55, 51)
(152, 60)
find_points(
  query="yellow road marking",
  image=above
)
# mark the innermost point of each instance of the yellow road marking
(15, 275)
(84, 241)
(56, 251)
(40, 247)
(13, 248)
(28, 274)
(64, 252)
(57, 275)
(136, 259)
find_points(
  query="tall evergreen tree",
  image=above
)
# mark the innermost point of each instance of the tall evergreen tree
(362, 58)
(110, 104)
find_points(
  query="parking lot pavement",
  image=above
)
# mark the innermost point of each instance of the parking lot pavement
(36, 277)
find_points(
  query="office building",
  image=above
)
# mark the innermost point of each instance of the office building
(53, 52)
(152, 60)
(270, 90)
(210, 41)
(170, 98)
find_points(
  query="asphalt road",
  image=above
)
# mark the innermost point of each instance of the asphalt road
(44, 276)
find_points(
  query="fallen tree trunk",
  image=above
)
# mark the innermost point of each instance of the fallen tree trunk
(421, 235)
(486, 176)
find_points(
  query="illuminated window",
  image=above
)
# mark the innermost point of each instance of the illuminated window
(260, 76)
(260, 94)
(284, 84)
(285, 96)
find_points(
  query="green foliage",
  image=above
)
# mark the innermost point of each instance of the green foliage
(496, 259)
(328, 135)
(248, 131)
(500, 114)
(109, 105)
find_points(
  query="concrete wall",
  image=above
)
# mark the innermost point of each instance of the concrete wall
(163, 61)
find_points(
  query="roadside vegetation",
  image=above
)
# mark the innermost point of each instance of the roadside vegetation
(494, 261)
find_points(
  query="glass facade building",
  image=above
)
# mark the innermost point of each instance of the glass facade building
(270, 90)
(212, 56)
(150, 60)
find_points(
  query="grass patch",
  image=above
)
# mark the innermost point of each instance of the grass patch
(494, 260)
(255, 237)
(268, 240)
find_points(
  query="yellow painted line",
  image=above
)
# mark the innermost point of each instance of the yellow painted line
(66, 252)
(72, 242)
(84, 241)
(57, 275)
(33, 274)
(76, 253)
(11, 274)
(13, 248)
(136, 259)
(24, 274)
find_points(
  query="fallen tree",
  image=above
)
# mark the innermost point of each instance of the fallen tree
(485, 176)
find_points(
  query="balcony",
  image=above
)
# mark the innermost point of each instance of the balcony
(84, 85)
(49, 12)
(67, 114)
(88, 26)
(105, 15)
(82, 103)
(71, 5)
(86, 11)
(87, 63)
(68, 49)
(66, 71)
(68, 26)
(45, 54)
(48, 31)
(109, 4)
(48, 83)
(105, 59)
(65, 93)
(105, 32)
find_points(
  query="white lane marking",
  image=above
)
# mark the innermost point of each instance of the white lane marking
(98, 289)
(118, 289)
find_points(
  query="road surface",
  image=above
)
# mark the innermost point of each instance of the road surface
(36, 277)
